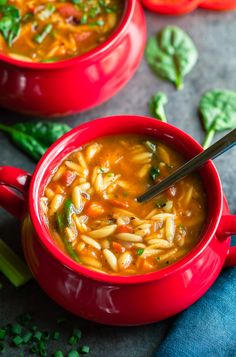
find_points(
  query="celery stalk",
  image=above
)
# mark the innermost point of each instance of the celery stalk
(13, 267)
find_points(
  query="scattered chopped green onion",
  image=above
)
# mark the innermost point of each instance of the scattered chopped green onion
(158, 258)
(73, 353)
(27, 336)
(12, 266)
(85, 349)
(77, 333)
(38, 335)
(17, 340)
(72, 340)
(16, 329)
(84, 19)
(46, 12)
(100, 23)
(42, 349)
(58, 354)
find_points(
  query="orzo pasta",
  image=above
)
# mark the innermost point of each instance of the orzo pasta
(90, 206)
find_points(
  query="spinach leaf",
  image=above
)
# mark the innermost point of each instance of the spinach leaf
(61, 229)
(9, 22)
(34, 138)
(218, 112)
(171, 54)
(154, 173)
(156, 106)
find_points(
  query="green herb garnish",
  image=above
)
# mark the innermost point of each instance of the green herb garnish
(47, 12)
(150, 146)
(218, 112)
(140, 251)
(156, 106)
(154, 173)
(171, 54)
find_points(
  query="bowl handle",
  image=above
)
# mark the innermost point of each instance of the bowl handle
(14, 185)
(226, 228)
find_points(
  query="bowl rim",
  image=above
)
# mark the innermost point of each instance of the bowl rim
(46, 241)
(88, 56)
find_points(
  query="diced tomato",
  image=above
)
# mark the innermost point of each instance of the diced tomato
(82, 36)
(218, 5)
(68, 177)
(118, 203)
(118, 247)
(94, 209)
(171, 7)
(69, 10)
(124, 229)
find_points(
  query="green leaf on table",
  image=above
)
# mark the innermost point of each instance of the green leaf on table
(171, 54)
(157, 104)
(9, 22)
(218, 112)
(34, 138)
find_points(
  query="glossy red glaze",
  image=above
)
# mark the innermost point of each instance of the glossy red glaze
(71, 86)
(131, 300)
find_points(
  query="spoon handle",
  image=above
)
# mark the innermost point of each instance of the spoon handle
(212, 152)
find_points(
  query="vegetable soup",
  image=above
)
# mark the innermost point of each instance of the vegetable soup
(92, 213)
(53, 30)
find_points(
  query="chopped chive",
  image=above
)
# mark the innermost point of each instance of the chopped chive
(3, 333)
(84, 19)
(42, 349)
(47, 12)
(17, 340)
(56, 335)
(77, 333)
(27, 336)
(13, 267)
(158, 258)
(140, 251)
(73, 353)
(72, 340)
(16, 329)
(85, 349)
(37, 335)
(100, 23)
(58, 354)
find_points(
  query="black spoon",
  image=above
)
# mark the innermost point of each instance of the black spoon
(222, 145)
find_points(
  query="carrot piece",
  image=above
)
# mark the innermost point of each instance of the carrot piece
(94, 209)
(124, 229)
(118, 247)
(68, 177)
(118, 203)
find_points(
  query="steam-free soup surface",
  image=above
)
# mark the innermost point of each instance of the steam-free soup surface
(53, 30)
(91, 209)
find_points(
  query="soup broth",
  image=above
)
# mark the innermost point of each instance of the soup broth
(53, 30)
(92, 213)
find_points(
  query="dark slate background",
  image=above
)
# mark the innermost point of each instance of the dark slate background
(214, 36)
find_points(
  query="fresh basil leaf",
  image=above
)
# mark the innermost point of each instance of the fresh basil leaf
(34, 138)
(156, 106)
(9, 23)
(154, 173)
(171, 54)
(218, 112)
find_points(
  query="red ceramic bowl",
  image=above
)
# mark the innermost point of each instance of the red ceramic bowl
(110, 299)
(80, 83)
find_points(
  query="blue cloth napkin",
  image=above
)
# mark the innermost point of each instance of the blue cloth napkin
(207, 328)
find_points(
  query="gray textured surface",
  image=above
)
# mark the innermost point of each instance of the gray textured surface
(214, 35)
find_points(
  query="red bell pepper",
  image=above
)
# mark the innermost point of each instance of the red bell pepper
(171, 7)
(218, 5)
